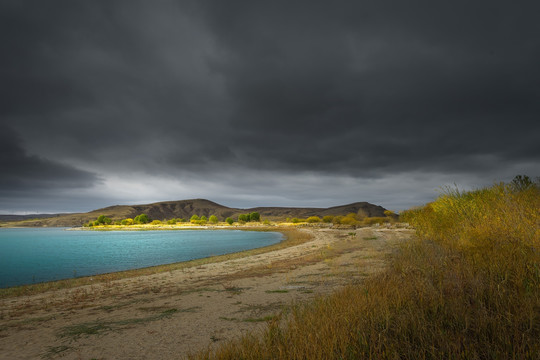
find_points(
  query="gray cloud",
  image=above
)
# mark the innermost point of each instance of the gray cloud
(30, 173)
(199, 89)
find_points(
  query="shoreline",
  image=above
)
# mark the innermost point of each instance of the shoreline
(175, 312)
(30, 289)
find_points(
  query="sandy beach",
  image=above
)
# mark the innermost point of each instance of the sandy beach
(167, 315)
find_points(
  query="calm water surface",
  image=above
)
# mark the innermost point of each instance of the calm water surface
(35, 255)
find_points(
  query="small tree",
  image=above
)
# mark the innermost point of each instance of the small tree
(521, 182)
(313, 219)
(204, 218)
(243, 217)
(141, 219)
(213, 219)
(361, 214)
(327, 219)
(229, 221)
(254, 216)
(194, 218)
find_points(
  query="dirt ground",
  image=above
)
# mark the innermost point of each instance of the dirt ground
(167, 315)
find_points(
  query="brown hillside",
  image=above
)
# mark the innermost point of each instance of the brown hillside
(186, 208)
(277, 213)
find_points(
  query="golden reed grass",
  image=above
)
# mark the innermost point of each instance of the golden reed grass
(468, 287)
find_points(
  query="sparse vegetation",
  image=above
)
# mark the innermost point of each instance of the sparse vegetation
(100, 327)
(468, 287)
(375, 220)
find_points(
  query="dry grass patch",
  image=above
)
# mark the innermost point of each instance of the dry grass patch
(467, 288)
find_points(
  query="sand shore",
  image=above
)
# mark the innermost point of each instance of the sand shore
(167, 315)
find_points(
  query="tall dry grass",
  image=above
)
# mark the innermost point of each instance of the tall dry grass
(467, 288)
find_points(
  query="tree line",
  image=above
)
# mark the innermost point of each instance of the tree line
(195, 219)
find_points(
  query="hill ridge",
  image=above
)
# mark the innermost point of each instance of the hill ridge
(186, 208)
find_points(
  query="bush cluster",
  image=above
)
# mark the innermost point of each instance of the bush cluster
(202, 220)
(101, 220)
(141, 219)
(254, 216)
(174, 221)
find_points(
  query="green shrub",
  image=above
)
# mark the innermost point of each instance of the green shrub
(254, 216)
(327, 219)
(337, 219)
(141, 219)
(103, 220)
(313, 219)
(229, 221)
(213, 219)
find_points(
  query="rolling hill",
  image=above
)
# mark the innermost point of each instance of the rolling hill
(185, 209)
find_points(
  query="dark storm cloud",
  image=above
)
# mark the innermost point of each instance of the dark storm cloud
(372, 86)
(24, 173)
(190, 89)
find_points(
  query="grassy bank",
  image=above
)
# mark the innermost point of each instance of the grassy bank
(292, 237)
(468, 287)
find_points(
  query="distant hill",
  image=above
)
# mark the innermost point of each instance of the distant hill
(185, 209)
(6, 218)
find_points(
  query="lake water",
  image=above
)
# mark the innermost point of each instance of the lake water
(36, 255)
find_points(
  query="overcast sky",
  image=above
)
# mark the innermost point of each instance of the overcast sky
(274, 103)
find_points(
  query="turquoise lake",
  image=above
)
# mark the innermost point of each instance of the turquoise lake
(30, 256)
